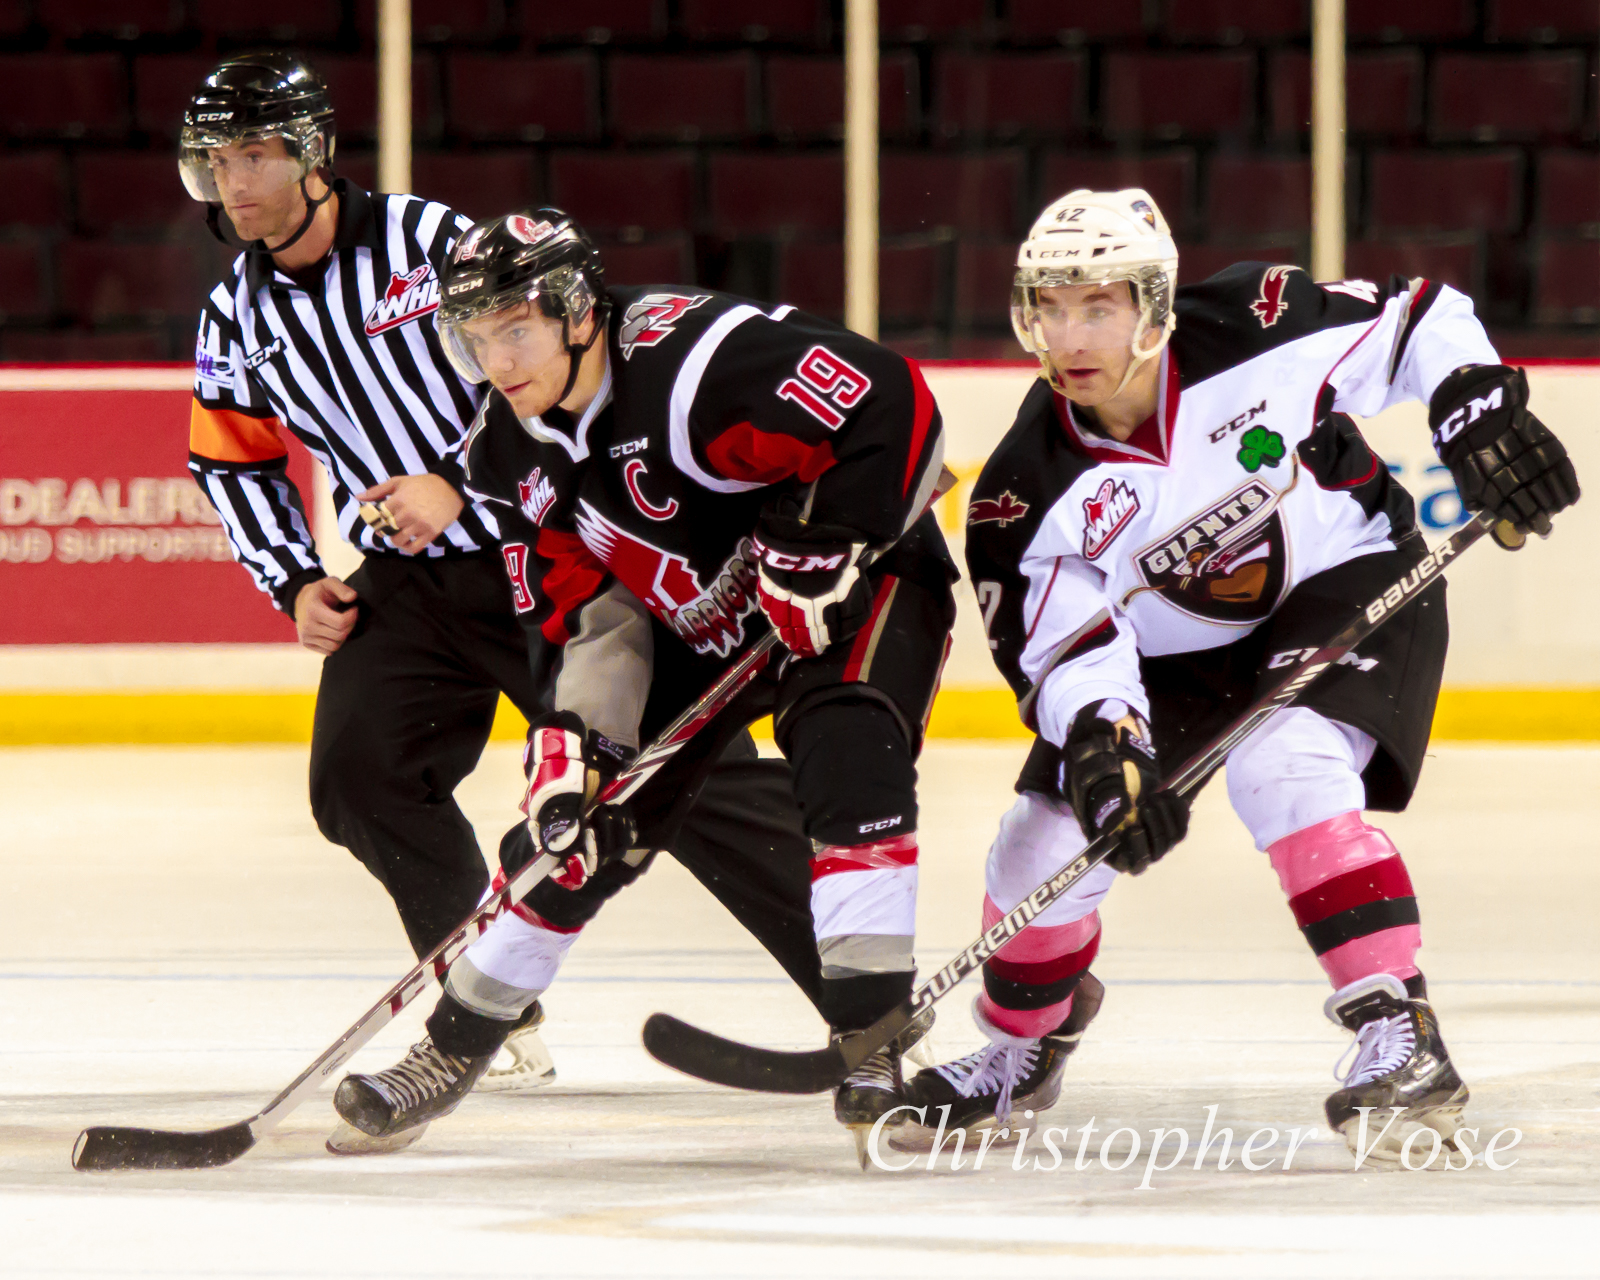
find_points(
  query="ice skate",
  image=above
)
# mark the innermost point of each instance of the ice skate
(523, 1063)
(347, 1140)
(423, 1086)
(876, 1086)
(1010, 1074)
(1400, 1061)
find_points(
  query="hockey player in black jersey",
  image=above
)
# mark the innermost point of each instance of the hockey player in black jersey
(673, 471)
(1181, 509)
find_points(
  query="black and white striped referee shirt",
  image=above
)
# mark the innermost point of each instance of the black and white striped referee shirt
(352, 366)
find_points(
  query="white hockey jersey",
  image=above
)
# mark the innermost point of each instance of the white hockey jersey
(1086, 552)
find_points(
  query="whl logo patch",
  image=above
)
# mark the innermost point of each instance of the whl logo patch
(1106, 515)
(1004, 510)
(1270, 305)
(649, 320)
(535, 494)
(407, 298)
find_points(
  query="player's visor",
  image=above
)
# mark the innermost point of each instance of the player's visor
(1088, 320)
(504, 340)
(216, 166)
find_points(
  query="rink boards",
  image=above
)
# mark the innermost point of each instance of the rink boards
(123, 621)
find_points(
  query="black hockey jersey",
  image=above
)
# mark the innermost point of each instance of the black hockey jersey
(712, 407)
(1086, 552)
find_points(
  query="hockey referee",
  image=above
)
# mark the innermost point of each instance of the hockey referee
(325, 327)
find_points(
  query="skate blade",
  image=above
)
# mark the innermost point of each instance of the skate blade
(347, 1140)
(1385, 1154)
(916, 1139)
(522, 1065)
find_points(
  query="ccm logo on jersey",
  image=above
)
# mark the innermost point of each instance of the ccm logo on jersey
(408, 296)
(1291, 656)
(536, 494)
(1467, 414)
(258, 358)
(1233, 424)
(1106, 515)
(648, 321)
(1004, 510)
(883, 824)
(629, 446)
(1270, 305)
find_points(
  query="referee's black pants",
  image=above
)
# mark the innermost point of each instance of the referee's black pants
(403, 714)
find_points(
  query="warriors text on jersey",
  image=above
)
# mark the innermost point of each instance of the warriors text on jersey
(352, 365)
(1086, 552)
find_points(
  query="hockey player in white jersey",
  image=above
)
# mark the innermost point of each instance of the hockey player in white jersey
(1182, 509)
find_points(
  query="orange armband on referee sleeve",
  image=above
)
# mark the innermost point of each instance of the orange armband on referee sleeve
(226, 435)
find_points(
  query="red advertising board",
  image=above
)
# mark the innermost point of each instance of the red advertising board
(104, 535)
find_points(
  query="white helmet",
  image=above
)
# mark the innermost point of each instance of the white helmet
(1088, 237)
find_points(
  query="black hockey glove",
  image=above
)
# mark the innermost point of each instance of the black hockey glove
(1503, 459)
(1109, 775)
(811, 585)
(566, 765)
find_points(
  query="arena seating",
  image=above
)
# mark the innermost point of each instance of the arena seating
(1383, 94)
(805, 97)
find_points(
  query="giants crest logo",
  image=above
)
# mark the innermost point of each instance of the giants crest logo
(1227, 564)
(649, 320)
(1004, 510)
(408, 296)
(1106, 515)
(707, 619)
(536, 495)
(1270, 305)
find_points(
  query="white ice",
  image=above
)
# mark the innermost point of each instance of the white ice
(179, 942)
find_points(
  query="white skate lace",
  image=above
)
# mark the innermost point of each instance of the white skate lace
(997, 1067)
(877, 1072)
(425, 1073)
(1380, 1047)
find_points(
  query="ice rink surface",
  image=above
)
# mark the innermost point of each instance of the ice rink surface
(179, 942)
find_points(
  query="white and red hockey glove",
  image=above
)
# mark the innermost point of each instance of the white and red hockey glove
(810, 582)
(566, 767)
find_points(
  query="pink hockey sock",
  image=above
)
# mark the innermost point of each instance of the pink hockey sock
(1040, 960)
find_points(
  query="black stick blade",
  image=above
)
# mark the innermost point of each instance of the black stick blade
(107, 1148)
(740, 1066)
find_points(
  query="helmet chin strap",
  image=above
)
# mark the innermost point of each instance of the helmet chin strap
(1139, 357)
(214, 215)
(575, 355)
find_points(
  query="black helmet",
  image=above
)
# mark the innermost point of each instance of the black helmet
(539, 256)
(250, 96)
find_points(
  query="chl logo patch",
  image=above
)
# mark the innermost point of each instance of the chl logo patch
(1004, 510)
(1106, 515)
(1226, 564)
(1270, 306)
(648, 321)
(407, 298)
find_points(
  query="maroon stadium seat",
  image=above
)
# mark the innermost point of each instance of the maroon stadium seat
(1569, 190)
(1252, 196)
(687, 99)
(123, 19)
(669, 260)
(63, 95)
(1544, 21)
(353, 87)
(910, 280)
(481, 185)
(1479, 191)
(1383, 93)
(755, 20)
(1003, 95)
(1171, 95)
(22, 291)
(131, 191)
(100, 280)
(1235, 21)
(1197, 262)
(598, 21)
(921, 19)
(611, 191)
(759, 193)
(34, 183)
(79, 346)
(14, 17)
(281, 21)
(984, 270)
(438, 21)
(162, 87)
(1169, 177)
(1075, 23)
(360, 167)
(1485, 98)
(919, 192)
(527, 99)
(1568, 285)
(1455, 260)
(1413, 20)
(805, 96)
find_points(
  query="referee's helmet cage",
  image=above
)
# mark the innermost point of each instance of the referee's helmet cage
(541, 257)
(249, 97)
(1097, 237)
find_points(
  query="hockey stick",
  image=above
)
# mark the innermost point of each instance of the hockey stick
(711, 1057)
(105, 1148)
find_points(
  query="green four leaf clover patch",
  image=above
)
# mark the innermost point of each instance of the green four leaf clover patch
(1260, 448)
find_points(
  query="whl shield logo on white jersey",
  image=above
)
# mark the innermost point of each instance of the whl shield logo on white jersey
(1106, 515)
(408, 297)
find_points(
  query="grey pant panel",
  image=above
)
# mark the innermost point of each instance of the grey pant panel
(850, 954)
(471, 987)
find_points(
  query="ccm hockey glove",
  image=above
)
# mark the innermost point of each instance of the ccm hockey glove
(566, 767)
(1109, 775)
(811, 586)
(1503, 459)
